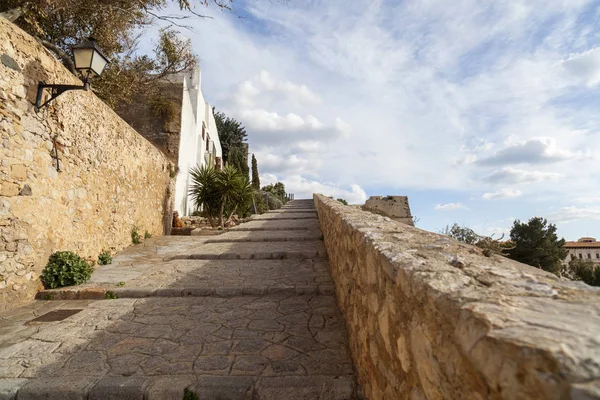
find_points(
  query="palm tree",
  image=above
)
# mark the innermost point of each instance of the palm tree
(204, 191)
(219, 193)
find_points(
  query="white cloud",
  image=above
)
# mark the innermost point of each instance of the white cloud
(574, 213)
(502, 194)
(449, 101)
(450, 207)
(514, 175)
(304, 188)
(585, 66)
(264, 87)
(539, 150)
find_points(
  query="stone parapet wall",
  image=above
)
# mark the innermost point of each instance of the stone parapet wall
(110, 177)
(431, 318)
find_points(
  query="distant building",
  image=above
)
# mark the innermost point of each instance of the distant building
(187, 133)
(586, 248)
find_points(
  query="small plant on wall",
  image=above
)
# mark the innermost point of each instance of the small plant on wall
(136, 237)
(104, 258)
(65, 268)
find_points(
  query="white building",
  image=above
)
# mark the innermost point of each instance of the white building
(199, 140)
(586, 248)
(188, 136)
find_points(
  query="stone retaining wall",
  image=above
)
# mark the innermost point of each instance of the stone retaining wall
(111, 178)
(432, 318)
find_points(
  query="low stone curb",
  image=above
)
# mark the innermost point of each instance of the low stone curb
(224, 292)
(153, 388)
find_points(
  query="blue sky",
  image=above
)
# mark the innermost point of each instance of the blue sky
(480, 111)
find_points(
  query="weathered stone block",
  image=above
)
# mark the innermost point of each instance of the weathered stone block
(9, 189)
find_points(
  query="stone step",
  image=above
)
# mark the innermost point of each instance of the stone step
(287, 215)
(250, 347)
(220, 278)
(296, 210)
(274, 225)
(252, 251)
(267, 236)
(206, 387)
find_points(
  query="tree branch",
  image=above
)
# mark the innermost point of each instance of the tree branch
(13, 14)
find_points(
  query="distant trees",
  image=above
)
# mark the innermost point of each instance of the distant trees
(255, 176)
(536, 244)
(344, 202)
(584, 270)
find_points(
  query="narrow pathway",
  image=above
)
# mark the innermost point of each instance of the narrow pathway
(249, 314)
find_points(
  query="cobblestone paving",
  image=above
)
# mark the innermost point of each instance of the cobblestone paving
(268, 329)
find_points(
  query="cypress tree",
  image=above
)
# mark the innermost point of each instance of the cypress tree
(255, 177)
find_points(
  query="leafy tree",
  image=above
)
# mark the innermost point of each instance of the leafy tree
(536, 244)
(220, 193)
(461, 233)
(344, 202)
(232, 134)
(584, 270)
(487, 244)
(116, 25)
(255, 176)
(277, 189)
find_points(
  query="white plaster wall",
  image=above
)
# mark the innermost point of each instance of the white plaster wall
(195, 111)
(212, 125)
(191, 129)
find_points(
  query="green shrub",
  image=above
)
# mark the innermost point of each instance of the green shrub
(147, 235)
(273, 202)
(189, 394)
(110, 295)
(344, 202)
(65, 268)
(136, 237)
(104, 258)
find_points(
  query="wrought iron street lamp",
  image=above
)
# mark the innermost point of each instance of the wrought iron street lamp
(90, 62)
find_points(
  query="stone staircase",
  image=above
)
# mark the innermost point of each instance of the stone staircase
(249, 314)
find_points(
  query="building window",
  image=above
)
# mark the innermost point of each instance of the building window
(580, 256)
(203, 130)
(589, 255)
(597, 255)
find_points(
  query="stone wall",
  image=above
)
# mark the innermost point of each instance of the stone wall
(432, 318)
(110, 177)
(163, 131)
(395, 207)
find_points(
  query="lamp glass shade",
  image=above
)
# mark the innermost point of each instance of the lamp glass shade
(83, 58)
(98, 63)
(89, 59)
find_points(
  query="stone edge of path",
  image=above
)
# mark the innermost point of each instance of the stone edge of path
(147, 387)
(101, 293)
